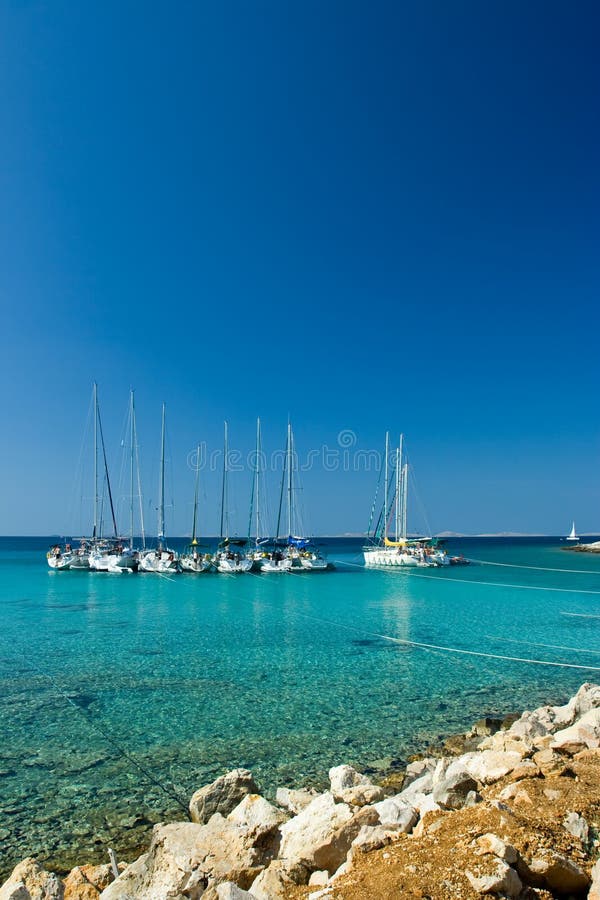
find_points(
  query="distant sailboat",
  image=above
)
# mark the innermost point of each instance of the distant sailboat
(573, 534)
(229, 558)
(162, 559)
(192, 560)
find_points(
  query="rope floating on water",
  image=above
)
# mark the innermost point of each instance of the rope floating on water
(408, 570)
(485, 562)
(423, 646)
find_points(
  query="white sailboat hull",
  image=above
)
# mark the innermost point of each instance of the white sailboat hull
(59, 562)
(392, 557)
(269, 566)
(313, 564)
(161, 561)
(235, 566)
(189, 564)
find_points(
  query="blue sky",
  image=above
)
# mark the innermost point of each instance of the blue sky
(364, 216)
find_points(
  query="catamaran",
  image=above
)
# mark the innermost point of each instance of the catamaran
(229, 558)
(193, 560)
(572, 536)
(402, 551)
(162, 559)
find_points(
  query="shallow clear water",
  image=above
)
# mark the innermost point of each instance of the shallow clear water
(122, 694)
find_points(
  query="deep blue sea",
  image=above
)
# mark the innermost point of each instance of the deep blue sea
(122, 694)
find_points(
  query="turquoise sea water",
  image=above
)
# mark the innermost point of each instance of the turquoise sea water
(120, 694)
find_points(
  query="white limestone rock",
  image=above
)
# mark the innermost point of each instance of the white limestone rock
(417, 769)
(319, 878)
(257, 814)
(185, 858)
(230, 891)
(584, 733)
(30, 881)
(274, 882)
(504, 881)
(351, 787)
(577, 826)
(487, 766)
(371, 837)
(594, 893)
(294, 801)
(559, 874)
(452, 791)
(222, 796)
(320, 836)
(491, 844)
(396, 813)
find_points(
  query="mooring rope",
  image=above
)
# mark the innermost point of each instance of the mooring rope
(409, 570)
(100, 729)
(486, 562)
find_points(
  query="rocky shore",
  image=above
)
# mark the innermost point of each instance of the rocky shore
(511, 810)
(585, 548)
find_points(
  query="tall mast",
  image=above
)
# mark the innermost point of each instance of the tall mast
(404, 498)
(95, 528)
(139, 482)
(224, 516)
(194, 541)
(385, 495)
(132, 451)
(161, 496)
(107, 476)
(289, 480)
(255, 499)
(397, 495)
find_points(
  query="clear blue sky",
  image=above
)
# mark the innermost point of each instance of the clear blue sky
(364, 215)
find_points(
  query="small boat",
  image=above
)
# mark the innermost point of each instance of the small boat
(229, 558)
(162, 559)
(275, 560)
(572, 536)
(192, 560)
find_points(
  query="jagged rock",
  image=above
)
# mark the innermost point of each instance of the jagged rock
(472, 799)
(228, 890)
(294, 801)
(395, 813)
(491, 843)
(420, 786)
(318, 879)
(222, 796)
(504, 881)
(30, 881)
(559, 874)
(87, 882)
(320, 836)
(274, 882)
(257, 814)
(594, 893)
(351, 787)
(417, 769)
(550, 763)
(186, 858)
(585, 732)
(577, 826)
(451, 793)
(487, 766)
(371, 837)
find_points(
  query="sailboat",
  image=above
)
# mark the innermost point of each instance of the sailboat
(192, 560)
(299, 551)
(119, 557)
(266, 556)
(67, 556)
(572, 536)
(229, 558)
(162, 559)
(401, 551)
